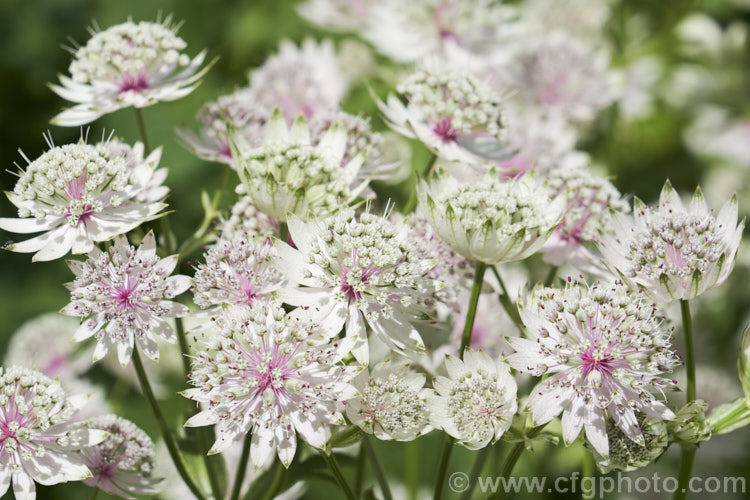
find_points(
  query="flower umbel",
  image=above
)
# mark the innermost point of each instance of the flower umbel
(271, 374)
(124, 295)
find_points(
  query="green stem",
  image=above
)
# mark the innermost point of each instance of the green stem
(739, 411)
(587, 492)
(359, 471)
(515, 453)
(169, 440)
(336, 470)
(142, 131)
(445, 457)
(411, 203)
(94, 493)
(686, 465)
(476, 471)
(687, 325)
(377, 468)
(185, 351)
(476, 290)
(239, 476)
(278, 479)
(206, 438)
(550, 276)
(506, 302)
(412, 468)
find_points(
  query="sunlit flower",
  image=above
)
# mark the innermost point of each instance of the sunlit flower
(604, 350)
(245, 218)
(305, 79)
(123, 294)
(81, 194)
(392, 402)
(237, 110)
(123, 463)
(476, 402)
(672, 251)
(453, 113)
(359, 272)
(143, 171)
(491, 221)
(272, 375)
(237, 272)
(288, 174)
(38, 439)
(129, 64)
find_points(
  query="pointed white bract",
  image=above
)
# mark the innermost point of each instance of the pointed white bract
(476, 402)
(627, 455)
(129, 64)
(454, 114)
(122, 464)
(604, 350)
(124, 295)
(491, 221)
(38, 438)
(392, 403)
(237, 272)
(270, 374)
(81, 194)
(288, 174)
(672, 251)
(358, 272)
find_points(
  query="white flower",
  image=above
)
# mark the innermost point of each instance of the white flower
(675, 252)
(490, 221)
(143, 171)
(288, 174)
(716, 135)
(81, 194)
(245, 218)
(124, 295)
(38, 440)
(454, 114)
(392, 401)
(335, 15)
(237, 110)
(129, 64)
(272, 375)
(604, 350)
(299, 80)
(476, 402)
(237, 272)
(123, 463)
(359, 272)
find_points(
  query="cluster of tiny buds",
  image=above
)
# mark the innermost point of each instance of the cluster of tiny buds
(237, 110)
(674, 242)
(455, 103)
(128, 51)
(360, 139)
(73, 181)
(476, 403)
(390, 403)
(590, 200)
(126, 447)
(245, 218)
(626, 454)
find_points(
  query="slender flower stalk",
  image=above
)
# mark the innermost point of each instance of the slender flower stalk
(476, 289)
(688, 449)
(377, 468)
(337, 475)
(239, 476)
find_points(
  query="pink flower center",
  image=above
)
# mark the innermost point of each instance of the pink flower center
(250, 293)
(590, 363)
(133, 83)
(122, 296)
(445, 131)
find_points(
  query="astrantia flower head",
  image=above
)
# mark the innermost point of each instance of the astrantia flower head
(237, 110)
(335, 15)
(591, 201)
(129, 64)
(453, 113)
(271, 374)
(237, 272)
(306, 80)
(491, 221)
(38, 440)
(81, 194)
(359, 271)
(477, 400)
(392, 402)
(143, 171)
(627, 455)
(124, 295)
(123, 463)
(672, 251)
(604, 350)
(245, 218)
(288, 174)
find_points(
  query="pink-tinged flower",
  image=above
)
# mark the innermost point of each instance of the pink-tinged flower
(358, 272)
(237, 272)
(81, 194)
(299, 80)
(672, 251)
(272, 375)
(476, 402)
(237, 110)
(38, 439)
(245, 218)
(123, 294)
(123, 463)
(604, 350)
(591, 202)
(129, 64)
(455, 115)
(392, 401)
